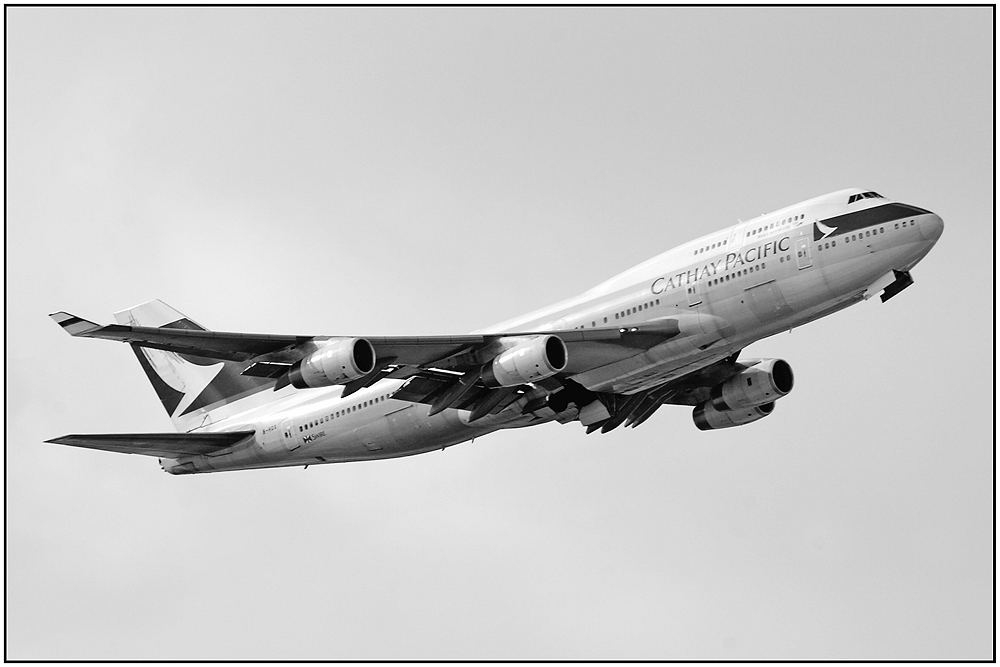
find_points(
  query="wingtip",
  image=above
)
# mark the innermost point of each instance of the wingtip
(73, 325)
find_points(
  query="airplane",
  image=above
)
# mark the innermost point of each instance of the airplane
(667, 331)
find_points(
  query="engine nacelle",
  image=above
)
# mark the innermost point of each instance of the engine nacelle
(337, 362)
(535, 358)
(765, 381)
(707, 418)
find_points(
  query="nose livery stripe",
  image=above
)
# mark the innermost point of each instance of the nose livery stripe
(869, 217)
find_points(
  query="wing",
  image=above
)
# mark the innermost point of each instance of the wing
(399, 356)
(443, 371)
(162, 445)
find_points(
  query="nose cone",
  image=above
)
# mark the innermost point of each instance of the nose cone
(931, 227)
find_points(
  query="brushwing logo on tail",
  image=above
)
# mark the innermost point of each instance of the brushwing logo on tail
(191, 384)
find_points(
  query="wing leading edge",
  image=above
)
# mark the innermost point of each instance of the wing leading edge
(588, 347)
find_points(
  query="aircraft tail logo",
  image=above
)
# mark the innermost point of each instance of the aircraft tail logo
(187, 385)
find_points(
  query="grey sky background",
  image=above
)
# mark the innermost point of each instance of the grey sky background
(428, 171)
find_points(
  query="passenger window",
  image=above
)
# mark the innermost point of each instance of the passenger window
(657, 302)
(605, 320)
(781, 259)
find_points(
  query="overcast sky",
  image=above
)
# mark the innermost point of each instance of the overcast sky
(433, 171)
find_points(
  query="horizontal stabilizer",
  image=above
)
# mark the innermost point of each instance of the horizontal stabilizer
(162, 445)
(73, 325)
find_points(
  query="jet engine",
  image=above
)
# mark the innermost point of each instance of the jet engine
(528, 360)
(707, 418)
(763, 382)
(337, 362)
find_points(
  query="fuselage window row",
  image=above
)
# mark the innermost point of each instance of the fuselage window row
(737, 274)
(631, 311)
(717, 244)
(765, 228)
(341, 413)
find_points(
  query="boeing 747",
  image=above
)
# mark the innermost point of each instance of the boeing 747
(668, 331)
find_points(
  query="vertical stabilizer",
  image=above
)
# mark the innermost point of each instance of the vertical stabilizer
(189, 387)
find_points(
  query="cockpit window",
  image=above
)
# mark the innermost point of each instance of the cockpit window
(864, 195)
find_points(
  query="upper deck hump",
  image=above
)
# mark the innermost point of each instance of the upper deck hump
(822, 206)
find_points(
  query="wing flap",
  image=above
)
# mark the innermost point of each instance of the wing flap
(161, 445)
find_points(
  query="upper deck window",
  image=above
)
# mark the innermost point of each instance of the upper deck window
(864, 195)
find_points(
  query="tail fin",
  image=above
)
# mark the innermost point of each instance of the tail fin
(189, 387)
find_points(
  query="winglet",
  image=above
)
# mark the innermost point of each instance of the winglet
(74, 326)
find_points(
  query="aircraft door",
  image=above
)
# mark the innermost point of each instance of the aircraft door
(803, 252)
(288, 435)
(694, 294)
(736, 237)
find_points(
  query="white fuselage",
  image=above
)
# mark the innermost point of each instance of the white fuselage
(726, 289)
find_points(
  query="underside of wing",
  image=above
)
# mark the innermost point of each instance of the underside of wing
(162, 445)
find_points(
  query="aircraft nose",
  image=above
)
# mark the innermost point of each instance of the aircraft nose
(931, 227)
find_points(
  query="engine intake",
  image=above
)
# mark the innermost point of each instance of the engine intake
(707, 418)
(337, 362)
(765, 381)
(528, 360)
